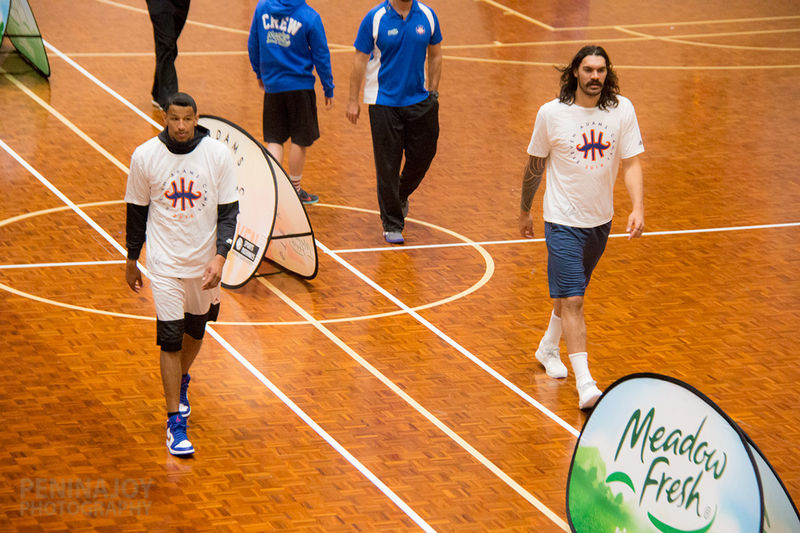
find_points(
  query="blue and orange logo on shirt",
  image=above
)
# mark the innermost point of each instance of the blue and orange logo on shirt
(592, 146)
(184, 196)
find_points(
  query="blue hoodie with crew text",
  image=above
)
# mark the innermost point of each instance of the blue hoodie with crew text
(287, 41)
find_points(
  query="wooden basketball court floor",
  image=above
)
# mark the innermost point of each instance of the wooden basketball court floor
(397, 390)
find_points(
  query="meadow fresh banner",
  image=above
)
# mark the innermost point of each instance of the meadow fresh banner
(657, 456)
(780, 513)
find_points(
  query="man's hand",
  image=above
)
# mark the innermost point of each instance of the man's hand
(213, 272)
(353, 111)
(526, 224)
(635, 224)
(328, 103)
(133, 276)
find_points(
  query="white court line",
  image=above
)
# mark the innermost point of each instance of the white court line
(476, 360)
(446, 338)
(321, 432)
(236, 355)
(525, 241)
(489, 465)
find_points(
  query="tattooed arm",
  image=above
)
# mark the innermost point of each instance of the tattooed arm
(531, 179)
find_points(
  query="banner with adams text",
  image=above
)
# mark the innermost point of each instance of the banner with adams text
(657, 456)
(272, 223)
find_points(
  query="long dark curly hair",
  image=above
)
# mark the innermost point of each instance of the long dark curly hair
(569, 82)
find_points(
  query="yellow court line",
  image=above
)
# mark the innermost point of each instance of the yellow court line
(637, 37)
(191, 22)
(628, 67)
(643, 37)
(64, 120)
(487, 273)
(508, 11)
(52, 210)
(708, 45)
(688, 23)
(12, 290)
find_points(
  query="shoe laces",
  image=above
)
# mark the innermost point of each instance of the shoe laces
(184, 388)
(552, 352)
(177, 426)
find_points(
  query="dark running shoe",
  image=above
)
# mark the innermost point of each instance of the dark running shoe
(393, 237)
(307, 198)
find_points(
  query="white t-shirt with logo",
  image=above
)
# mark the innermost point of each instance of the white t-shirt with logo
(583, 147)
(183, 192)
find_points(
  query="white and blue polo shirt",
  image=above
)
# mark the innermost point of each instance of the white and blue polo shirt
(398, 47)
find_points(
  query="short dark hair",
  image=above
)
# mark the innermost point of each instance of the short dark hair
(181, 100)
(569, 82)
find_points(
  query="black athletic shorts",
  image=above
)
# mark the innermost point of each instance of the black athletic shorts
(291, 114)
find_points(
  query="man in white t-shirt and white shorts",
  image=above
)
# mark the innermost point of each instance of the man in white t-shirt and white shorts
(581, 139)
(181, 198)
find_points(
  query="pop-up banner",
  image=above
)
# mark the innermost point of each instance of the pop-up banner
(272, 224)
(780, 513)
(19, 25)
(658, 456)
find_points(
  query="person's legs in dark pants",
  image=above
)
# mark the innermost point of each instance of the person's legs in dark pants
(168, 18)
(387, 146)
(420, 136)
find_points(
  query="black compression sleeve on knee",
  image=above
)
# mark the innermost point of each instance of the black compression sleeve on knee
(169, 334)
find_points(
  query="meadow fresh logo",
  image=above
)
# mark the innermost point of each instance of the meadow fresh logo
(661, 449)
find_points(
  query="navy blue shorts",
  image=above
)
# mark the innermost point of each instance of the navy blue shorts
(572, 254)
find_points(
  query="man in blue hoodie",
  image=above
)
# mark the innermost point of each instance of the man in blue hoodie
(287, 41)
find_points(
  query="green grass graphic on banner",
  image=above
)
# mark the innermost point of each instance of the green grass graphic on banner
(599, 509)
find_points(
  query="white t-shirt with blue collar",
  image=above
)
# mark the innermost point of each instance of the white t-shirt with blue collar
(398, 47)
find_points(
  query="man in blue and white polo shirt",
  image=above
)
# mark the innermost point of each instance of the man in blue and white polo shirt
(392, 44)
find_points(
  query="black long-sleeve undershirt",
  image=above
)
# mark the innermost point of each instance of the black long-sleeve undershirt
(135, 229)
(226, 226)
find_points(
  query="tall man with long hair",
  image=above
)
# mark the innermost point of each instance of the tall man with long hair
(581, 139)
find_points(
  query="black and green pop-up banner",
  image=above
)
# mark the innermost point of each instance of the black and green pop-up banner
(19, 25)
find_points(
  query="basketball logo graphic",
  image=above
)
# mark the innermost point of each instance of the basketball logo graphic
(593, 145)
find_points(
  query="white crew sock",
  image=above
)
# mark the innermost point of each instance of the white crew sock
(552, 336)
(580, 365)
